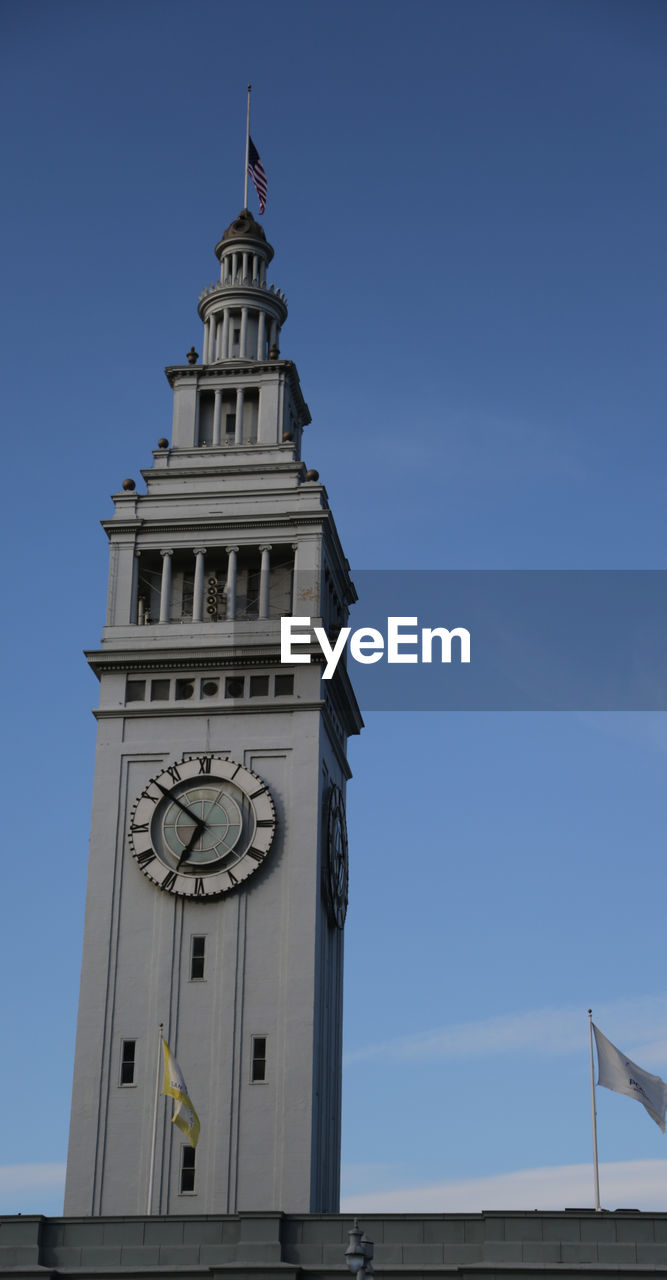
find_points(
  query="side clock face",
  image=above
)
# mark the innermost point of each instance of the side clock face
(201, 826)
(337, 859)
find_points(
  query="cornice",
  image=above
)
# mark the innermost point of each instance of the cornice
(127, 660)
(222, 469)
(229, 707)
(204, 525)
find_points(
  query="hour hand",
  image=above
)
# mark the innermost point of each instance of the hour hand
(200, 827)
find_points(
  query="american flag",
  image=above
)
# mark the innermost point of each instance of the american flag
(256, 171)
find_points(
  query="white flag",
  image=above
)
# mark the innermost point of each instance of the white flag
(617, 1072)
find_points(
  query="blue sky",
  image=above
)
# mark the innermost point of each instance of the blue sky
(467, 203)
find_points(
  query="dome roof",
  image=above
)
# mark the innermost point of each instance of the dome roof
(244, 228)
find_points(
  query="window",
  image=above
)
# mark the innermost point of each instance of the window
(258, 1064)
(197, 955)
(206, 414)
(209, 688)
(187, 1170)
(259, 686)
(184, 689)
(284, 685)
(127, 1059)
(135, 691)
(159, 690)
(234, 686)
(230, 424)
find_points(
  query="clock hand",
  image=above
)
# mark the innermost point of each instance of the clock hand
(200, 828)
(174, 799)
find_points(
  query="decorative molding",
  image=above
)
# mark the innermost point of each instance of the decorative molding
(202, 526)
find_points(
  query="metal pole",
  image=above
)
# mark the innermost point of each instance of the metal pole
(247, 152)
(151, 1172)
(596, 1174)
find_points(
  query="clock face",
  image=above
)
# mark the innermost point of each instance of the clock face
(337, 859)
(202, 826)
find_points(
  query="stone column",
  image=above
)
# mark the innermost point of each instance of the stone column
(134, 598)
(264, 582)
(224, 353)
(273, 334)
(295, 571)
(261, 336)
(198, 593)
(217, 412)
(245, 265)
(165, 587)
(217, 335)
(232, 553)
(238, 428)
(243, 341)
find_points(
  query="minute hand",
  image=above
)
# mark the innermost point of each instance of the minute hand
(174, 799)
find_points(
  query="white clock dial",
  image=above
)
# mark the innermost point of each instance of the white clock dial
(202, 826)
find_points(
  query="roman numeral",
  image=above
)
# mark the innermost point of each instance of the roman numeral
(146, 795)
(169, 880)
(232, 877)
(205, 764)
(144, 858)
(199, 888)
(236, 771)
(173, 773)
(265, 822)
(138, 826)
(254, 794)
(256, 854)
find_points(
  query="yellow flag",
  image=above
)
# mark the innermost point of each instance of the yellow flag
(185, 1117)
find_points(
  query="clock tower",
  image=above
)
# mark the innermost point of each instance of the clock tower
(217, 881)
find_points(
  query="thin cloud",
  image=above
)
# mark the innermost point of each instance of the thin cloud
(636, 1184)
(31, 1188)
(550, 1032)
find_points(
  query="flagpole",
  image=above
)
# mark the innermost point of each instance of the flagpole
(151, 1171)
(247, 152)
(596, 1172)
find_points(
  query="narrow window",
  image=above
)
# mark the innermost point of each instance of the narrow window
(187, 1170)
(284, 685)
(205, 417)
(127, 1058)
(259, 686)
(135, 691)
(258, 1066)
(230, 424)
(197, 956)
(159, 690)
